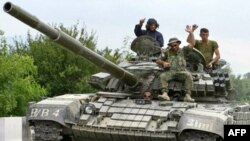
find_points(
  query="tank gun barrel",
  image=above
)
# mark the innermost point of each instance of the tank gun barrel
(71, 44)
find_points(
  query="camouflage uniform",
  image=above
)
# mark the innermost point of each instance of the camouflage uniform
(177, 71)
(207, 49)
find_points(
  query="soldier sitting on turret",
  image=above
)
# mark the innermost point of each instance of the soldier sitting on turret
(175, 64)
(151, 27)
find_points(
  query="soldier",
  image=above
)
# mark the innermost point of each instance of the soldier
(207, 47)
(151, 27)
(174, 61)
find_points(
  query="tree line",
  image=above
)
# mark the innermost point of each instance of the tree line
(36, 68)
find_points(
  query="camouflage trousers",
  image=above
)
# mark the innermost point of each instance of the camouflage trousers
(182, 76)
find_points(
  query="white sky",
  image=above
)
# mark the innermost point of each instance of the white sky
(113, 20)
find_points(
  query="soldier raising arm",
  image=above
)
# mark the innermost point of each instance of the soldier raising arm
(207, 47)
(151, 30)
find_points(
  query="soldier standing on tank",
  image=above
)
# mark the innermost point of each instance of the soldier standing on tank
(151, 27)
(174, 61)
(207, 47)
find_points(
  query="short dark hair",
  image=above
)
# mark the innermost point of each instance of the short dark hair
(205, 30)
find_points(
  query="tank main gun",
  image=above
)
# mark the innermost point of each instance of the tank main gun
(71, 44)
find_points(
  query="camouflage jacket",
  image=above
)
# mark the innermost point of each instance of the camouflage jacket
(176, 59)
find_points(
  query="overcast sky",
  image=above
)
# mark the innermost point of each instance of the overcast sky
(113, 20)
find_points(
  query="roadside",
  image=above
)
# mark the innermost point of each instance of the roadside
(14, 129)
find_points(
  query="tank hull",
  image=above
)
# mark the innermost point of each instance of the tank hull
(126, 119)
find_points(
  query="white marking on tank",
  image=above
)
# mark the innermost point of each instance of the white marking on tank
(198, 124)
(42, 112)
(56, 113)
(35, 112)
(45, 113)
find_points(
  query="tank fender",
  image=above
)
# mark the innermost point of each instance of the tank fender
(65, 113)
(211, 122)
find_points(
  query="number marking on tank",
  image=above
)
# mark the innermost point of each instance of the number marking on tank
(197, 124)
(35, 112)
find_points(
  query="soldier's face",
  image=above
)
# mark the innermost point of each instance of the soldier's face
(204, 36)
(174, 46)
(147, 95)
(152, 27)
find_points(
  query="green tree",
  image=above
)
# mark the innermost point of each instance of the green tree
(113, 56)
(17, 83)
(59, 70)
(242, 86)
(247, 75)
(1, 33)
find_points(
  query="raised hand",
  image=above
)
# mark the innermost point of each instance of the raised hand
(189, 29)
(142, 20)
(194, 27)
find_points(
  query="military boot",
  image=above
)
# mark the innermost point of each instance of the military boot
(164, 96)
(188, 98)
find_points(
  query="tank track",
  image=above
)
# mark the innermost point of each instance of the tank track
(47, 131)
(193, 135)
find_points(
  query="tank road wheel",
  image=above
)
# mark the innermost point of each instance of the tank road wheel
(47, 131)
(191, 135)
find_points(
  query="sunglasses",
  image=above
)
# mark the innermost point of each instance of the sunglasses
(174, 45)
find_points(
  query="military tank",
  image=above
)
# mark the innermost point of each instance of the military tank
(126, 105)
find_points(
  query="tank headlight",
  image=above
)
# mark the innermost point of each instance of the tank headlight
(89, 109)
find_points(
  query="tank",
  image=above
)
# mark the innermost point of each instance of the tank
(126, 105)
